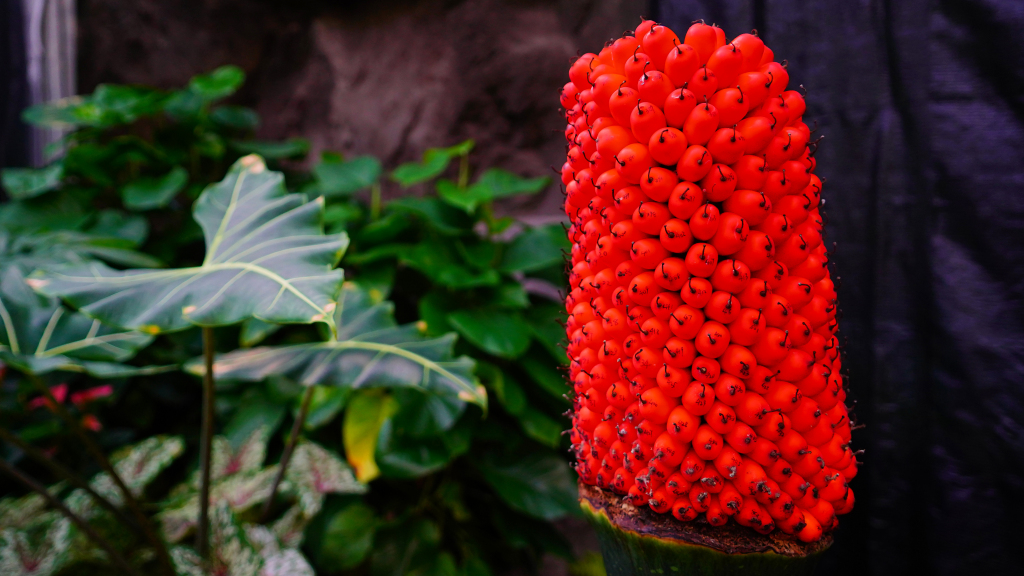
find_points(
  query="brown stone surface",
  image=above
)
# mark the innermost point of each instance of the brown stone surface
(388, 78)
(731, 538)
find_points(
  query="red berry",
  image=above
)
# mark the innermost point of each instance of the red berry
(694, 164)
(667, 146)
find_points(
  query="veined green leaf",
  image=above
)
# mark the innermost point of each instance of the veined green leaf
(38, 335)
(370, 351)
(266, 257)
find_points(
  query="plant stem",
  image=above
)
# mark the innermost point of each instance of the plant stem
(293, 439)
(114, 555)
(59, 470)
(206, 447)
(464, 171)
(97, 454)
(375, 201)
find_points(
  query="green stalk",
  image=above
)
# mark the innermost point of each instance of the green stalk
(206, 447)
(286, 457)
(375, 201)
(62, 472)
(640, 542)
(464, 171)
(82, 525)
(97, 454)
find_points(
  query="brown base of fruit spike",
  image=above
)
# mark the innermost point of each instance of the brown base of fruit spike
(639, 542)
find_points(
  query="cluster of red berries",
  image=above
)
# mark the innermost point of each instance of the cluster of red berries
(702, 315)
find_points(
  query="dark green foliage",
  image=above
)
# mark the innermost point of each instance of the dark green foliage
(457, 483)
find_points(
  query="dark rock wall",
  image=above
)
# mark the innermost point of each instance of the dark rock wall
(388, 78)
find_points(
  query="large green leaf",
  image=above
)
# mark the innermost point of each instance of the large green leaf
(536, 248)
(433, 164)
(149, 193)
(348, 537)
(21, 183)
(501, 183)
(346, 177)
(325, 405)
(538, 483)
(370, 351)
(438, 215)
(465, 198)
(406, 456)
(404, 547)
(238, 117)
(39, 335)
(439, 260)
(220, 83)
(500, 333)
(266, 257)
(109, 105)
(291, 148)
(44, 249)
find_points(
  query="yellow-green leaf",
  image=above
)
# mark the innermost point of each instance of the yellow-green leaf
(366, 413)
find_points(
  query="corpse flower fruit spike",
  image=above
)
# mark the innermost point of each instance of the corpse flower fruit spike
(702, 315)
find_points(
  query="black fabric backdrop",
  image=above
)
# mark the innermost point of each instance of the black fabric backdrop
(922, 106)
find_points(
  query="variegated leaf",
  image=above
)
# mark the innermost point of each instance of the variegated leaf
(277, 562)
(243, 491)
(290, 528)
(38, 550)
(139, 464)
(262, 539)
(239, 492)
(287, 562)
(315, 471)
(226, 461)
(178, 521)
(266, 257)
(233, 554)
(186, 562)
(20, 512)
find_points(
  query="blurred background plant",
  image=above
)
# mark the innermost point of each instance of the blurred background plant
(412, 479)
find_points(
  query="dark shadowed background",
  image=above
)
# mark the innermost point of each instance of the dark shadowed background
(922, 106)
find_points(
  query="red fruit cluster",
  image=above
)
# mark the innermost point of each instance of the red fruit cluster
(701, 313)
